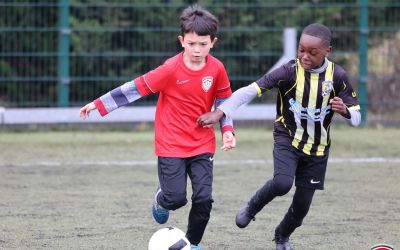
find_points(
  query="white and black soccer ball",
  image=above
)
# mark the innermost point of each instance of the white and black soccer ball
(169, 238)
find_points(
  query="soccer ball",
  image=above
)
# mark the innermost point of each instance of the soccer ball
(169, 238)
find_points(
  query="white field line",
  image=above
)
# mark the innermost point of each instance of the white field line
(153, 162)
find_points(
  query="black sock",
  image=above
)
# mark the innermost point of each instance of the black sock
(296, 212)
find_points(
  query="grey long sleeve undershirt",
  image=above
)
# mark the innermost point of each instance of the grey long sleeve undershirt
(241, 96)
(225, 121)
(355, 118)
(246, 94)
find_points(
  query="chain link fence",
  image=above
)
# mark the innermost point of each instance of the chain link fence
(65, 53)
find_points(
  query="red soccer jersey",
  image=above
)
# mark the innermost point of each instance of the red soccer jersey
(184, 95)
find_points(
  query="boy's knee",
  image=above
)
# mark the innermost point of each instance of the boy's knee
(282, 184)
(203, 195)
(174, 201)
(202, 199)
(202, 209)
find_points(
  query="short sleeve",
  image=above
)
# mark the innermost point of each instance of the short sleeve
(345, 90)
(278, 77)
(154, 81)
(223, 88)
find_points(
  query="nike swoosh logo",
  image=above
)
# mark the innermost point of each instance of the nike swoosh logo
(211, 159)
(314, 182)
(182, 81)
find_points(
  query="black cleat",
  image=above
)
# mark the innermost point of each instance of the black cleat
(282, 243)
(244, 216)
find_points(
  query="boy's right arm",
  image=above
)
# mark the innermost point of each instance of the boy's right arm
(112, 100)
(241, 96)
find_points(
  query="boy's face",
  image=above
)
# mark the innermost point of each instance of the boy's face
(196, 47)
(312, 51)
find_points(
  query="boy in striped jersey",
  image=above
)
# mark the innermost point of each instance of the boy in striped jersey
(189, 84)
(311, 89)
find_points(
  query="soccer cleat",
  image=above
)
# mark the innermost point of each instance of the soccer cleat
(244, 216)
(282, 243)
(195, 247)
(160, 214)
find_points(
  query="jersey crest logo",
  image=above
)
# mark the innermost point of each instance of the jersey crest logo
(327, 87)
(206, 83)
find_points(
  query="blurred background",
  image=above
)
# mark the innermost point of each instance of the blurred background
(64, 53)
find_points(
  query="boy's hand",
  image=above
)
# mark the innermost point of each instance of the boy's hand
(84, 111)
(208, 120)
(339, 107)
(229, 141)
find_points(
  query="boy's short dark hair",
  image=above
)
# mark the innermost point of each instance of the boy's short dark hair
(198, 20)
(320, 31)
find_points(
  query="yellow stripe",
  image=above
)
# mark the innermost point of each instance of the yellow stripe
(324, 133)
(255, 85)
(320, 150)
(321, 147)
(355, 107)
(312, 103)
(282, 120)
(294, 85)
(299, 97)
(295, 143)
(281, 102)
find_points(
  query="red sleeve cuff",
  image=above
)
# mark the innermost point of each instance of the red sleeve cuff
(224, 93)
(227, 128)
(100, 107)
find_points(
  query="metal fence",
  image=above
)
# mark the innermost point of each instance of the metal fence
(65, 53)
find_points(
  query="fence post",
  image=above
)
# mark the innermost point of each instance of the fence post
(363, 58)
(63, 53)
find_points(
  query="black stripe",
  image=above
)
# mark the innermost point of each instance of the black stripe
(118, 97)
(178, 245)
(287, 115)
(327, 122)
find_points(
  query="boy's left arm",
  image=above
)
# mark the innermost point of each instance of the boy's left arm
(351, 114)
(346, 102)
(226, 124)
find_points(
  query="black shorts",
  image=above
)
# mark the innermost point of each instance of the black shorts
(173, 173)
(308, 170)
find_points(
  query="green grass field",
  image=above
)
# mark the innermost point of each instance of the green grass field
(94, 189)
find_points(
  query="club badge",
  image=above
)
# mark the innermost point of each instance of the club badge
(327, 87)
(206, 83)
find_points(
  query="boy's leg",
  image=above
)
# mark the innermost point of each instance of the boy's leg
(173, 180)
(171, 193)
(297, 212)
(200, 171)
(310, 175)
(285, 162)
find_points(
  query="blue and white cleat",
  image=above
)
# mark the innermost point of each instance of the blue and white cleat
(160, 214)
(195, 247)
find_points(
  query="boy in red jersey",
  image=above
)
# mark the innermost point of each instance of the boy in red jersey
(189, 84)
(311, 89)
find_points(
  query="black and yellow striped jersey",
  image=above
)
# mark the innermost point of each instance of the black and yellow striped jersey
(304, 114)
